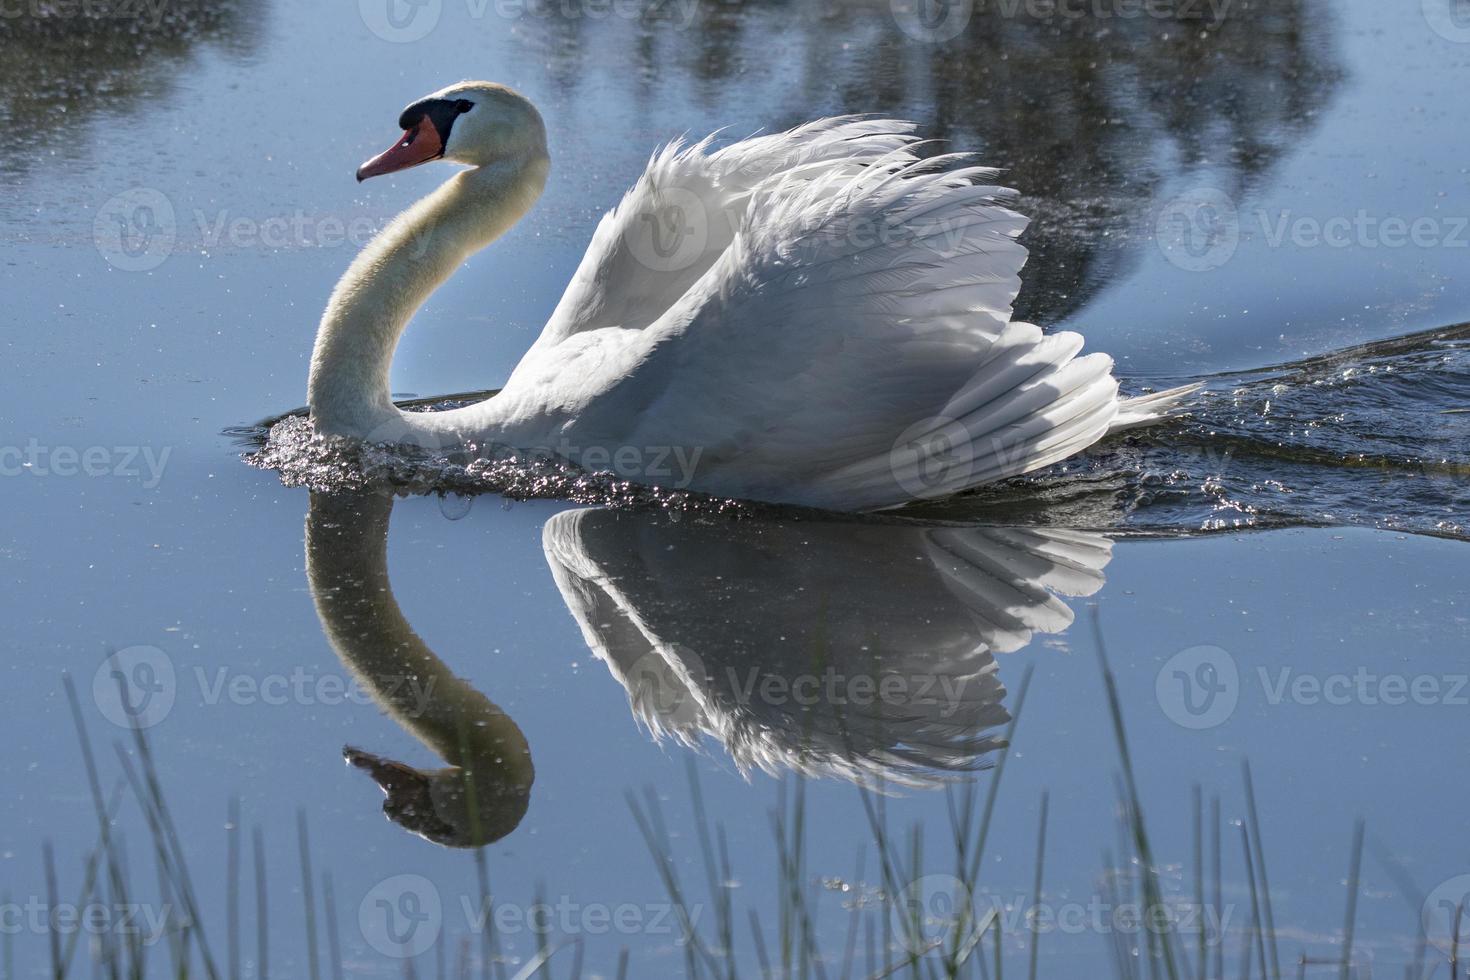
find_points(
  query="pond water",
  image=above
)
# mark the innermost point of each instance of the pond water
(1271, 196)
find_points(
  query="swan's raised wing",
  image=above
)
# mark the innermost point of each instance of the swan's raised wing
(851, 347)
(686, 209)
(847, 345)
(857, 650)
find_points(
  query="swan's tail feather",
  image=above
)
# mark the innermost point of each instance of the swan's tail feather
(1149, 409)
(1032, 403)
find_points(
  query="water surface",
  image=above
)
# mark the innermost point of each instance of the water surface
(1190, 181)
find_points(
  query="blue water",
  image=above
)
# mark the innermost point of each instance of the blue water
(1308, 520)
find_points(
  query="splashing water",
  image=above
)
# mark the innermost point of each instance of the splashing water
(291, 446)
(1377, 435)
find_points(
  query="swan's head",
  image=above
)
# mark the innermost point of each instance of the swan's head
(476, 123)
(451, 807)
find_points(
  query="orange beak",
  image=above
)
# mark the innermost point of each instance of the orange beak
(418, 145)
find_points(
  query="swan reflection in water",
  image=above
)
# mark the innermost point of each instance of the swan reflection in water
(856, 649)
(483, 793)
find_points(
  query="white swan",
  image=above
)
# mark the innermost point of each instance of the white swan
(814, 317)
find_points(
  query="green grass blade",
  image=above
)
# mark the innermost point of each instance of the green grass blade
(308, 895)
(262, 908)
(1258, 848)
(1036, 887)
(1355, 868)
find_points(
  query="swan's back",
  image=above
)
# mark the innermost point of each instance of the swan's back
(816, 317)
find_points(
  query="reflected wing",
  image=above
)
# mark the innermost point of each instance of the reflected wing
(857, 650)
(1011, 578)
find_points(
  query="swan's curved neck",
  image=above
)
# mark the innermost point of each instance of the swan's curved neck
(348, 391)
(347, 570)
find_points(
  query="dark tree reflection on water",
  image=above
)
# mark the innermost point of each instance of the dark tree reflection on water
(62, 64)
(1088, 110)
(1088, 106)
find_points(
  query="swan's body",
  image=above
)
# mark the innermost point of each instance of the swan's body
(814, 317)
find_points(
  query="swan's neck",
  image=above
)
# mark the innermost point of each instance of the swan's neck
(348, 390)
(347, 570)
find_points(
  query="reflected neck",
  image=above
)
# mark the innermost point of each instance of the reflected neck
(348, 390)
(347, 569)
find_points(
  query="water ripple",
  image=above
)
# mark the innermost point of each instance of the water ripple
(1377, 435)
